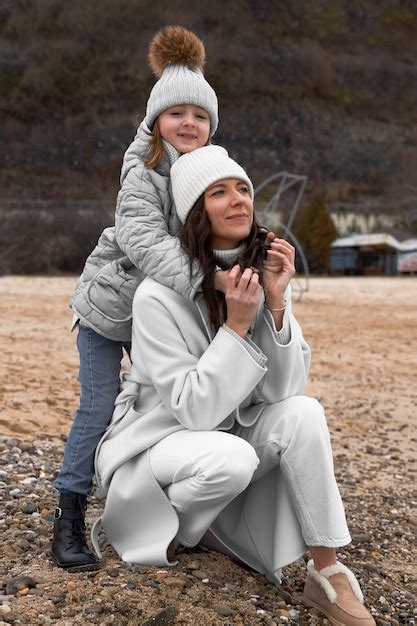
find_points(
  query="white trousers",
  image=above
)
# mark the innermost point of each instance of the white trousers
(201, 472)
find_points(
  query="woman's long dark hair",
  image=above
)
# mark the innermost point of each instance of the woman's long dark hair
(196, 240)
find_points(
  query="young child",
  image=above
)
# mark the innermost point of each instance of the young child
(181, 115)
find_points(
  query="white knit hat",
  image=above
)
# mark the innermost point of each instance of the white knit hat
(195, 171)
(177, 57)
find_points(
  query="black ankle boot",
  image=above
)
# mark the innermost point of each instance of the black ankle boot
(69, 545)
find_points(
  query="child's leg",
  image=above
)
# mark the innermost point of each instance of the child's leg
(100, 360)
(99, 377)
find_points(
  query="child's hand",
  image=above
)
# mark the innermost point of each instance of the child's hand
(220, 280)
(242, 298)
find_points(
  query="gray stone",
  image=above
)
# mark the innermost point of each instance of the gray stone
(12, 442)
(29, 507)
(17, 583)
(222, 609)
(166, 617)
(371, 567)
(154, 583)
(122, 607)
(198, 573)
(131, 585)
(193, 565)
(109, 592)
(287, 597)
(95, 609)
(24, 544)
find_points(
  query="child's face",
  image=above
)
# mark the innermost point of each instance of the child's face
(186, 127)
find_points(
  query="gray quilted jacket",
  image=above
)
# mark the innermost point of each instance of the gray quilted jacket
(142, 243)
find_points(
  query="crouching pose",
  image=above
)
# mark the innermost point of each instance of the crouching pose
(209, 441)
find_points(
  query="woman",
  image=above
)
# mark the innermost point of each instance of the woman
(208, 433)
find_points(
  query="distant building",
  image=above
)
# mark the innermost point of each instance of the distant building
(373, 254)
(407, 257)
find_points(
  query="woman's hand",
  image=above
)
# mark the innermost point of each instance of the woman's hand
(242, 298)
(278, 270)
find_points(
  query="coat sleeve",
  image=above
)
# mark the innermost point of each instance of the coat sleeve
(200, 391)
(288, 364)
(142, 234)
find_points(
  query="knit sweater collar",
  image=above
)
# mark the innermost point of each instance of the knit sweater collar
(172, 153)
(228, 257)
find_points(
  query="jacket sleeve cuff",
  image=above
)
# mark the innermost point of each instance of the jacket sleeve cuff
(282, 336)
(249, 346)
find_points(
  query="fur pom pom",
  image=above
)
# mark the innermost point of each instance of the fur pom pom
(175, 45)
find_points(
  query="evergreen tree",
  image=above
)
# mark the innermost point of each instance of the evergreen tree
(316, 231)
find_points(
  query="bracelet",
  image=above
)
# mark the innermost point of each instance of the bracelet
(269, 309)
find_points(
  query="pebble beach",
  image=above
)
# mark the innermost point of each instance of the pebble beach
(363, 334)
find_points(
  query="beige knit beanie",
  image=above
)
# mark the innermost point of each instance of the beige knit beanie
(195, 171)
(177, 57)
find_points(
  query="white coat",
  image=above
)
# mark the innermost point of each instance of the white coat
(183, 377)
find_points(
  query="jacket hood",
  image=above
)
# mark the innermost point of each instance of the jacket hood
(136, 153)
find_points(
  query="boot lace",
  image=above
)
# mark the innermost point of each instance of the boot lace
(77, 537)
(77, 534)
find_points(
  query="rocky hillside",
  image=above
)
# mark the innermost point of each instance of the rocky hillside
(327, 89)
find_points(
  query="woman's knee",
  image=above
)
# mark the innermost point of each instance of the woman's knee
(236, 465)
(311, 418)
(299, 417)
(310, 408)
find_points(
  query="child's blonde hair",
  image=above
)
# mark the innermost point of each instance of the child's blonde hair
(156, 147)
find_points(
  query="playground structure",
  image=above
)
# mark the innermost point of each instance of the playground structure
(269, 216)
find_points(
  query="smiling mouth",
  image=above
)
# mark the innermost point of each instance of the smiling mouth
(238, 216)
(187, 136)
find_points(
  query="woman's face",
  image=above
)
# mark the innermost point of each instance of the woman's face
(229, 207)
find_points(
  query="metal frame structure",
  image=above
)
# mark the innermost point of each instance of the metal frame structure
(285, 182)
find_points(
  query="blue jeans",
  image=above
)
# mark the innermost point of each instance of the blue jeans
(100, 360)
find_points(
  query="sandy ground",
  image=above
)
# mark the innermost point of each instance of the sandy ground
(363, 334)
